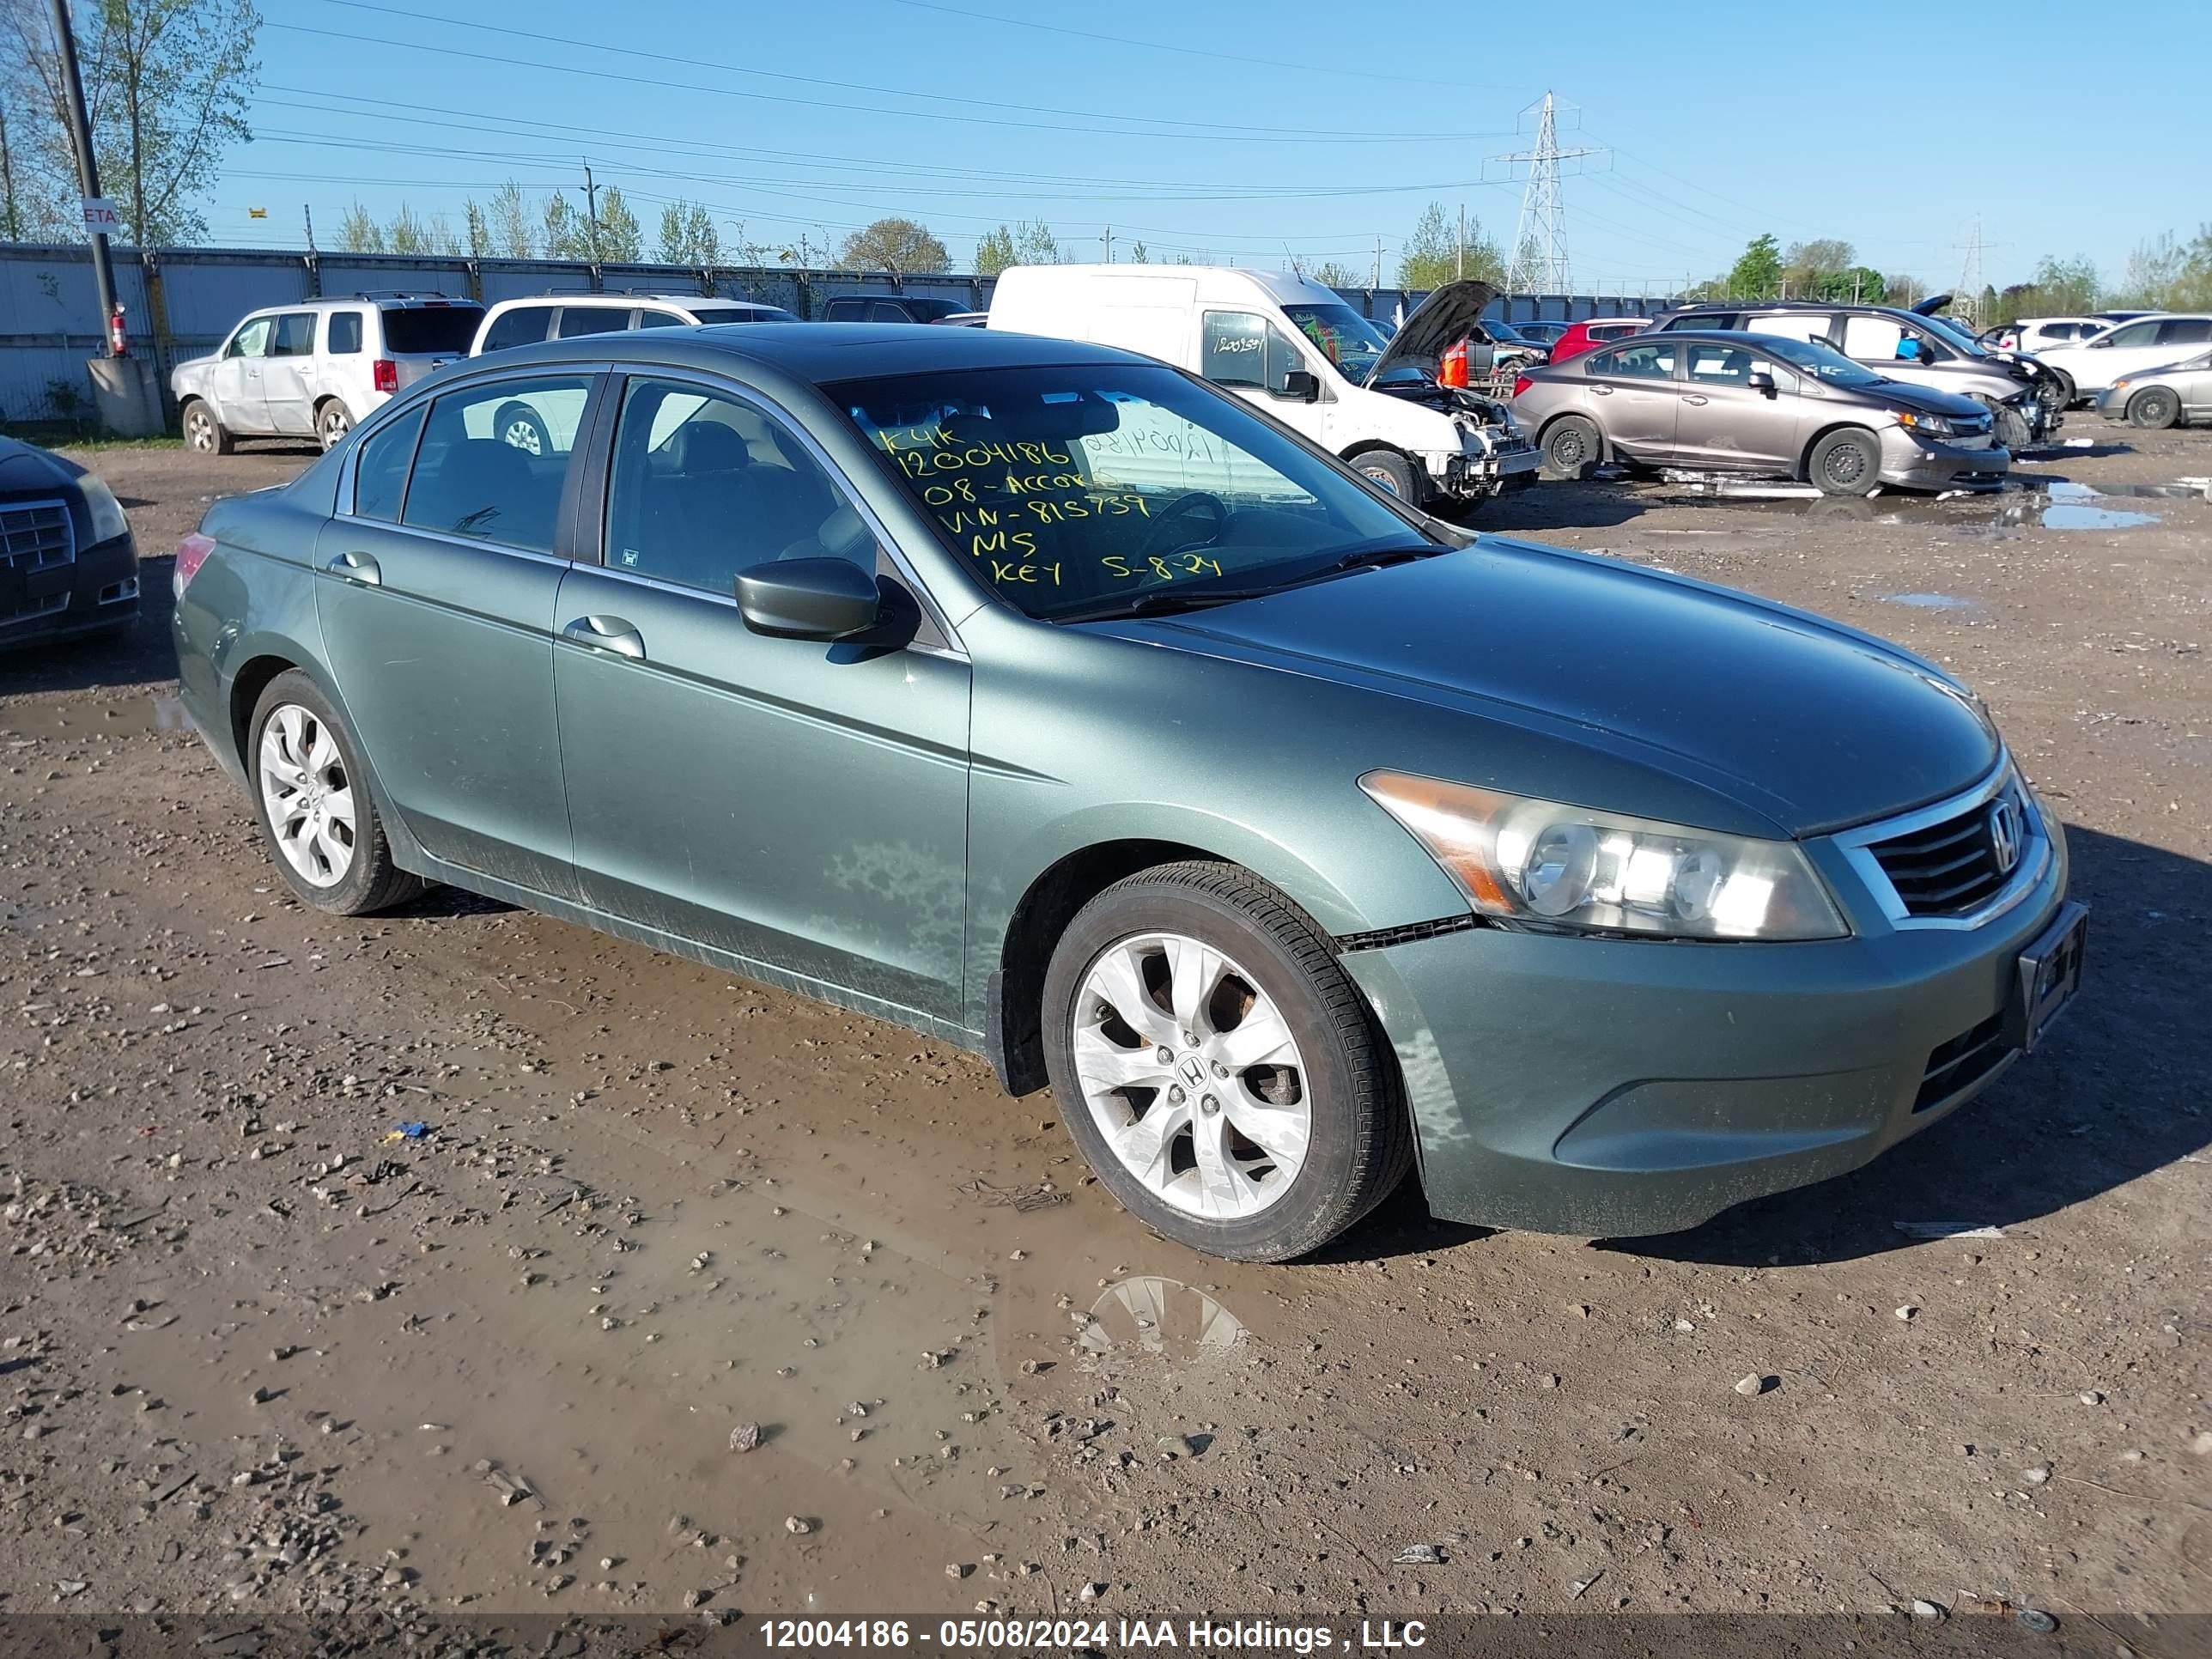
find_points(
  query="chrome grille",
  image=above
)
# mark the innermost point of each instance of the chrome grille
(1953, 866)
(36, 535)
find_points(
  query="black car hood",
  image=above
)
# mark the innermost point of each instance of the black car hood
(1448, 314)
(26, 470)
(1810, 725)
(1923, 399)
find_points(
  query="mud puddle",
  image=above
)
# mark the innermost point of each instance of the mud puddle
(26, 722)
(1954, 604)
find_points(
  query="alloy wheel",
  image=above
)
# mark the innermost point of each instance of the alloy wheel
(199, 429)
(307, 796)
(1192, 1075)
(523, 435)
(336, 424)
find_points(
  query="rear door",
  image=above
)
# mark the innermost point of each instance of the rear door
(1725, 422)
(436, 586)
(1634, 396)
(287, 388)
(797, 803)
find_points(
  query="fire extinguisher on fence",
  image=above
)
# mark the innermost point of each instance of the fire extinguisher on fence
(118, 346)
(1452, 369)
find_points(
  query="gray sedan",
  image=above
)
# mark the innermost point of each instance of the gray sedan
(1046, 699)
(1755, 404)
(2154, 398)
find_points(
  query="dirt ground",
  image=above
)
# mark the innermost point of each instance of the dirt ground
(264, 1352)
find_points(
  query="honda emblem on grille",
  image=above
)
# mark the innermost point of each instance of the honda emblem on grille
(2004, 834)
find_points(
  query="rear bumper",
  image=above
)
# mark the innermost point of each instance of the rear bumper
(1911, 463)
(1614, 1088)
(98, 589)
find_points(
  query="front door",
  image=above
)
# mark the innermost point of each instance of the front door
(797, 804)
(436, 586)
(287, 373)
(236, 379)
(1725, 423)
(1636, 397)
(1246, 353)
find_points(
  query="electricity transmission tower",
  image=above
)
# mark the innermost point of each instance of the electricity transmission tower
(1970, 271)
(1540, 233)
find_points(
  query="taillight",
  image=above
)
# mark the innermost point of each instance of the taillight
(387, 374)
(191, 554)
(1521, 384)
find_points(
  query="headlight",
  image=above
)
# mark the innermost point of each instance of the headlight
(107, 519)
(1934, 425)
(1551, 865)
(2117, 384)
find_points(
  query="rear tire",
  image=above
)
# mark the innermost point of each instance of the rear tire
(1847, 462)
(332, 422)
(2154, 408)
(1572, 447)
(302, 763)
(519, 426)
(205, 434)
(1390, 472)
(1251, 955)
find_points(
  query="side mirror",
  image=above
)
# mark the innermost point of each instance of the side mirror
(2099, 345)
(1301, 385)
(1761, 380)
(808, 598)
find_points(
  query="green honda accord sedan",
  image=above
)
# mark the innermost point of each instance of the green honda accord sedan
(1049, 700)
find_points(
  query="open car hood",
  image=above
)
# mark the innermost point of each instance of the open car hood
(1448, 314)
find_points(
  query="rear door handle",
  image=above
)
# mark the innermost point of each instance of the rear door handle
(1693, 397)
(607, 633)
(356, 568)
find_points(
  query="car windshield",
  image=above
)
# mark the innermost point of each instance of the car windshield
(1084, 490)
(1346, 339)
(1958, 336)
(431, 328)
(1504, 333)
(1818, 360)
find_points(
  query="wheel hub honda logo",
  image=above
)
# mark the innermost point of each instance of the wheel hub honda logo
(2005, 835)
(1194, 1071)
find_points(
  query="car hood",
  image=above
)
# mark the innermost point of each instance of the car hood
(1448, 314)
(26, 470)
(1805, 723)
(1921, 399)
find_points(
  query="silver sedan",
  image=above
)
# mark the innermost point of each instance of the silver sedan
(2154, 398)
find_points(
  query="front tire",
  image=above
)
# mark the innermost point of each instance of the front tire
(1846, 462)
(1218, 1068)
(2154, 408)
(1389, 473)
(332, 422)
(311, 792)
(1571, 447)
(204, 433)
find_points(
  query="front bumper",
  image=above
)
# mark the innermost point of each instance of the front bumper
(1477, 476)
(1611, 1088)
(1911, 463)
(2112, 401)
(97, 588)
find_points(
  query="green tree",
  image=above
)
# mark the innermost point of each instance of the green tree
(512, 235)
(706, 241)
(359, 233)
(620, 240)
(2152, 267)
(406, 233)
(166, 84)
(900, 245)
(1035, 244)
(568, 236)
(2192, 288)
(994, 251)
(479, 234)
(675, 246)
(1433, 254)
(1757, 272)
(1140, 254)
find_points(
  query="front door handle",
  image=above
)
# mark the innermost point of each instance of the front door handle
(607, 633)
(1693, 397)
(1602, 391)
(356, 568)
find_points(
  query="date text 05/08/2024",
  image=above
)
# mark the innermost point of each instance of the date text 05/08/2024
(1015, 1635)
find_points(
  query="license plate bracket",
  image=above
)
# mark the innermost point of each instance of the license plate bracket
(2045, 978)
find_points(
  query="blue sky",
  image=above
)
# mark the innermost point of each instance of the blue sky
(1233, 128)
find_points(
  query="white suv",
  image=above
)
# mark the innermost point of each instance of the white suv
(564, 316)
(313, 369)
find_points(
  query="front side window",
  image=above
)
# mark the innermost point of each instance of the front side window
(705, 485)
(1649, 360)
(2134, 334)
(1822, 362)
(379, 477)
(1347, 339)
(494, 459)
(342, 334)
(1075, 492)
(1241, 348)
(295, 335)
(524, 325)
(252, 340)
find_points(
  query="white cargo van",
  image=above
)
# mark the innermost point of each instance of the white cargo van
(1296, 350)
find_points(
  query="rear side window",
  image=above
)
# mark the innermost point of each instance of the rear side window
(380, 479)
(884, 311)
(1869, 339)
(524, 325)
(295, 336)
(341, 335)
(1651, 360)
(431, 330)
(494, 459)
(843, 311)
(2184, 330)
(666, 320)
(591, 319)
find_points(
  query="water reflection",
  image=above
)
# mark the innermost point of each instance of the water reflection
(1149, 1314)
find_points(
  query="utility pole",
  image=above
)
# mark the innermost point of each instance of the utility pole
(1462, 239)
(308, 213)
(1109, 245)
(87, 170)
(1378, 283)
(592, 212)
(1539, 232)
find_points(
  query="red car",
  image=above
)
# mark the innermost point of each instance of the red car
(1594, 331)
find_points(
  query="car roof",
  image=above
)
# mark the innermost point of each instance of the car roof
(817, 353)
